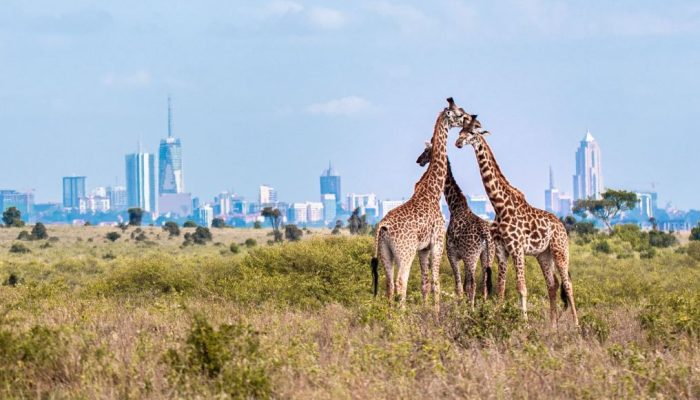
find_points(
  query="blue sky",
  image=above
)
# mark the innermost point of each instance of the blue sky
(268, 92)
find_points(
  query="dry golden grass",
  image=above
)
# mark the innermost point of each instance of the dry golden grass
(103, 320)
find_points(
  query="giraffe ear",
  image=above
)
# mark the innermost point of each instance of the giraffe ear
(485, 133)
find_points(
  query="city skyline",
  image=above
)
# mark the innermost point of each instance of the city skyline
(81, 82)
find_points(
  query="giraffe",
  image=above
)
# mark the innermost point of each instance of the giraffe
(523, 229)
(418, 224)
(468, 236)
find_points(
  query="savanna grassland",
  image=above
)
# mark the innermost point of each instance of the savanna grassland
(85, 317)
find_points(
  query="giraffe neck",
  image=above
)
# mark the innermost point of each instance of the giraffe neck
(496, 185)
(432, 182)
(453, 194)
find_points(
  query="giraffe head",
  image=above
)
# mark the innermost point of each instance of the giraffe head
(424, 158)
(455, 115)
(471, 132)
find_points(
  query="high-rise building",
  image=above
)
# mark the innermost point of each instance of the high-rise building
(478, 204)
(204, 215)
(267, 195)
(387, 205)
(551, 195)
(645, 205)
(141, 184)
(330, 184)
(297, 213)
(170, 177)
(73, 191)
(314, 212)
(118, 198)
(361, 201)
(329, 207)
(588, 181)
(566, 205)
(23, 201)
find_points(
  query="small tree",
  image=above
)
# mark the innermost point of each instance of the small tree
(39, 232)
(358, 224)
(607, 208)
(275, 218)
(189, 224)
(292, 233)
(135, 216)
(172, 228)
(201, 235)
(337, 227)
(250, 242)
(695, 233)
(257, 225)
(218, 222)
(113, 236)
(12, 217)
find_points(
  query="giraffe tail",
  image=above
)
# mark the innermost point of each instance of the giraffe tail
(562, 294)
(375, 275)
(487, 268)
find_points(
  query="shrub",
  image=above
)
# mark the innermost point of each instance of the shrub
(292, 233)
(113, 236)
(39, 232)
(235, 249)
(602, 246)
(19, 248)
(12, 280)
(189, 224)
(147, 277)
(218, 223)
(585, 228)
(662, 239)
(229, 359)
(648, 253)
(257, 225)
(631, 234)
(593, 326)
(693, 250)
(12, 217)
(201, 235)
(172, 229)
(667, 316)
(135, 216)
(487, 322)
(250, 242)
(24, 235)
(695, 233)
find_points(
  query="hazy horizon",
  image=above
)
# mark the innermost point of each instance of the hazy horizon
(270, 92)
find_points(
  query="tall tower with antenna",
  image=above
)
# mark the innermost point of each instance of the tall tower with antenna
(170, 176)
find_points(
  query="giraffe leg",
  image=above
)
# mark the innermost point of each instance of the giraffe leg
(502, 258)
(402, 278)
(546, 262)
(424, 258)
(561, 259)
(436, 258)
(486, 257)
(388, 260)
(454, 263)
(469, 277)
(519, 258)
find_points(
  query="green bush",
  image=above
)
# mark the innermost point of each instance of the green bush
(668, 316)
(648, 253)
(602, 246)
(693, 250)
(695, 233)
(147, 276)
(24, 235)
(250, 242)
(486, 323)
(292, 233)
(39, 232)
(235, 249)
(201, 236)
(585, 228)
(189, 224)
(172, 229)
(113, 236)
(228, 359)
(662, 239)
(633, 235)
(595, 327)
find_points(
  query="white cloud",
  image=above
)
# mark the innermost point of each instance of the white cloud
(344, 106)
(282, 7)
(137, 79)
(326, 18)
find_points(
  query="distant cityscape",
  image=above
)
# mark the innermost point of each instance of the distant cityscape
(157, 186)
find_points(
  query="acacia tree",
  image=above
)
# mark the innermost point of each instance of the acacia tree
(274, 216)
(607, 208)
(135, 216)
(12, 217)
(358, 224)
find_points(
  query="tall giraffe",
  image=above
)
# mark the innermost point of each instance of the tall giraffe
(418, 224)
(523, 229)
(468, 236)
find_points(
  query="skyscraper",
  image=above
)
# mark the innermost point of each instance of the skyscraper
(118, 198)
(588, 181)
(73, 191)
(170, 179)
(330, 184)
(329, 207)
(551, 195)
(141, 181)
(267, 195)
